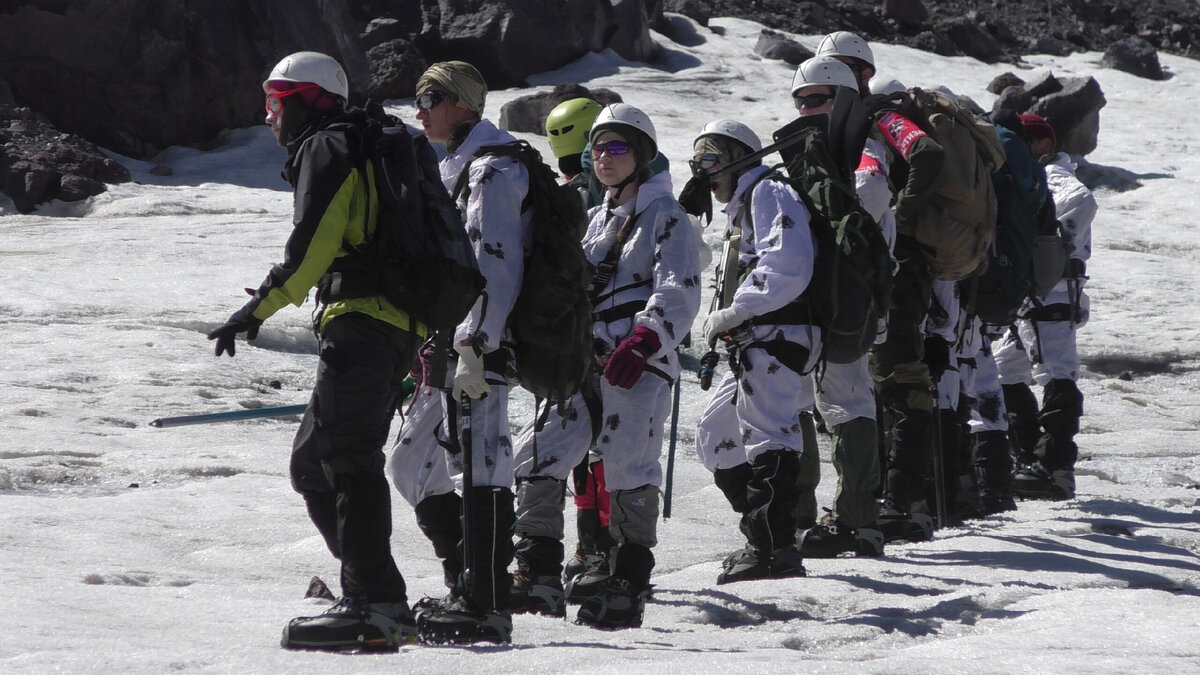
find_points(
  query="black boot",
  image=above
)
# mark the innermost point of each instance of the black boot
(770, 524)
(992, 462)
(440, 518)
(479, 612)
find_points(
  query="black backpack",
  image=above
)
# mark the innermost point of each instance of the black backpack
(551, 320)
(419, 256)
(851, 284)
(1025, 209)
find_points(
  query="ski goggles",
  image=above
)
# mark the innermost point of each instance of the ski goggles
(703, 163)
(613, 148)
(431, 99)
(812, 100)
(276, 95)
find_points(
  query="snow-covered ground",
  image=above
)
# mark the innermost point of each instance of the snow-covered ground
(125, 548)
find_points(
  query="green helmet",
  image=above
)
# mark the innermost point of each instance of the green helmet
(568, 125)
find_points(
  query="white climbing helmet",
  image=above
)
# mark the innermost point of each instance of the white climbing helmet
(823, 70)
(315, 67)
(731, 129)
(845, 43)
(618, 115)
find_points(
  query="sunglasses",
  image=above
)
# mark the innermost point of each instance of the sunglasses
(275, 97)
(431, 99)
(704, 162)
(613, 148)
(812, 100)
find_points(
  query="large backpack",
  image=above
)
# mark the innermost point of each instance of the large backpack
(851, 283)
(852, 274)
(1023, 206)
(419, 256)
(551, 321)
(958, 225)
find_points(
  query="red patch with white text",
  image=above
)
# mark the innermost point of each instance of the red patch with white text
(901, 132)
(869, 164)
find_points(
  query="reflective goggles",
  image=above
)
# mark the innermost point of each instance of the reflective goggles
(613, 148)
(275, 96)
(430, 100)
(812, 100)
(703, 163)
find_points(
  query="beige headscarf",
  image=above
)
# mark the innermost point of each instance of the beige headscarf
(729, 151)
(458, 78)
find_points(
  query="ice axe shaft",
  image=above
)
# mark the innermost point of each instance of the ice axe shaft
(230, 416)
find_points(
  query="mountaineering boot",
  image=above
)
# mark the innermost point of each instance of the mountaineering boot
(896, 524)
(615, 604)
(829, 539)
(620, 600)
(991, 460)
(440, 518)
(773, 495)
(478, 610)
(537, 583)
(351, 625)
(538, 595)
(1036, 482)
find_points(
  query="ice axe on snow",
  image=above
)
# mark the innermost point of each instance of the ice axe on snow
(407, 388)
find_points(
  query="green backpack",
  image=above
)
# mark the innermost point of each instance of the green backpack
(851, 287)
(551, 321)
(959, 225)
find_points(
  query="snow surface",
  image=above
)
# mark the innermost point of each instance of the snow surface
(134, 549)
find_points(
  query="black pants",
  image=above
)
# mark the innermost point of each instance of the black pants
(337, 456)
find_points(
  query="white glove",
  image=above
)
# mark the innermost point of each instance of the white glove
(721, 322)
(468, 377)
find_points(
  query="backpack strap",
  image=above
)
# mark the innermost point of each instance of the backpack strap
(608, 266)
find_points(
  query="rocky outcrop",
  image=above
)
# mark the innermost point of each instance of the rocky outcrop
(1071, 105)
(39, 163)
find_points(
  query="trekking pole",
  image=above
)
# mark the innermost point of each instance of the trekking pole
(230, 416)
(671, 450)
(939, 469)
(468, 479)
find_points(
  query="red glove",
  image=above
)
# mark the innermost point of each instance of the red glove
(628, 360)
(422, 367)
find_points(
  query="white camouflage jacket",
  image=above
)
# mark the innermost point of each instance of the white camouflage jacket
(1074, 204)
(658, 272)
(780, 246)
(499, 231)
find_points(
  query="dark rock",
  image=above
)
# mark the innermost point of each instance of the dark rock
(1045, 85)
(681, 30)
(631, 40)
(1052, 46)
(1002, 82)
(1133, 55)
(1074, 112)
(508, 40)
(381, 30)
(971, 39)
(528, 113)
(773, 45)
(39, 163)
(934, 42)
(908, 13)
(140, 75)
(396, 65)
(1013, 98)
(696, 10)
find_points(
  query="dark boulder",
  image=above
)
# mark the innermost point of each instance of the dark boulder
(137, 76)
(970, 38)
(773, 45)
(1133, 55)
(509, 40)
(39, 163)
(908, 13)
(396, 65)
(528, 113)
(696, 10)
(1074, 112)
(1004, 81)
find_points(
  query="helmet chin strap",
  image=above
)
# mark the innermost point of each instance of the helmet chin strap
(620, 187)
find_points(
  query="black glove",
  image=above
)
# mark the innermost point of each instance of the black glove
(242, 321)
(937, 356)
(696, 198)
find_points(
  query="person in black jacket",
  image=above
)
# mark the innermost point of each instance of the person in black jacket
(367, 347)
